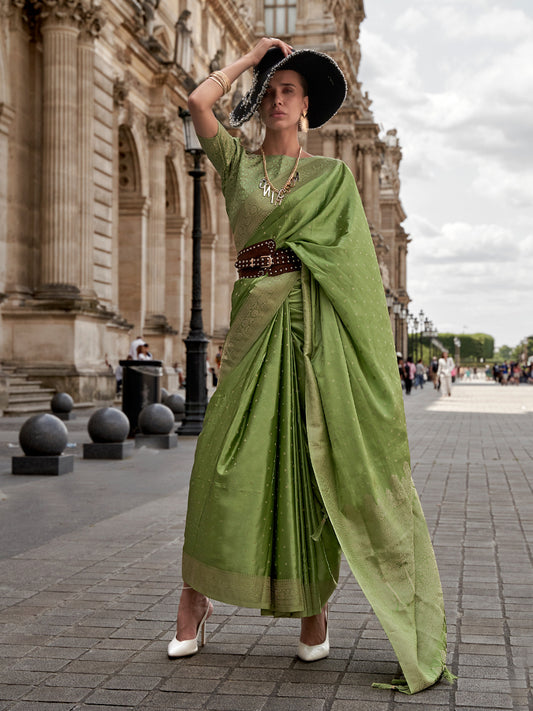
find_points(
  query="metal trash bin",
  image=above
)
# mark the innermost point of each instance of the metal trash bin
(141, 385)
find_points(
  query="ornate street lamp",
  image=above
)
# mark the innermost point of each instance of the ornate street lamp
(403, 324)
(196, 342)
(431, 335)
(396, 308)
(410, 321)
(423, 334)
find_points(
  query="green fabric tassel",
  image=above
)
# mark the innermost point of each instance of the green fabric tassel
(404, 689)
(401, 685)
(398, 684)
(448, 676)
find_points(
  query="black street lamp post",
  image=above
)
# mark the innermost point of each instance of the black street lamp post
(412, 341)
(396, 311)
(196, 342)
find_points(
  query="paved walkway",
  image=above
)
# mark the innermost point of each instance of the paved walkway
(89, 581)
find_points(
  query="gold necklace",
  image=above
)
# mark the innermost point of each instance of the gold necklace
(276, 195)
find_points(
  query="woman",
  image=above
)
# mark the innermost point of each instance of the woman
(304, 449)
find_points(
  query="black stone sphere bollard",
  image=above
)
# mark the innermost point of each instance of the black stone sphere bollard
(156, 422)
(108, 428)
(177, 404)
(61, 405)
(164, 395)
(43, 439)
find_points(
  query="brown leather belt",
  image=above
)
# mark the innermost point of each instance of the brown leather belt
(263, 258)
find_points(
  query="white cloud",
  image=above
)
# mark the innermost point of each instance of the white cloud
(499, 24)
(412, 20)
(456, 79)
(478, 276)
(507, 187)
(392, 68)
(460, 243)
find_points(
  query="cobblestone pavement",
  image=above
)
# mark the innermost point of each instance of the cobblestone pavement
(89, 581)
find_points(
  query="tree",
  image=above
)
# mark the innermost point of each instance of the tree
(474, 346)
(503, 353)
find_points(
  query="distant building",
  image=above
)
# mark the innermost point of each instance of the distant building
(95, 197)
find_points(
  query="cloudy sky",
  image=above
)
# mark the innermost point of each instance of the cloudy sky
(455, 77)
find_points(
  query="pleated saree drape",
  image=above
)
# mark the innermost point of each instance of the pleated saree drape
(304, 450)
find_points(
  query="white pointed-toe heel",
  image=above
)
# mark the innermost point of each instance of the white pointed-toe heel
(314, 652)
(186, 647)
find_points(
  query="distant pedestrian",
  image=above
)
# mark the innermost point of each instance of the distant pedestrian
(181, 374)
(119, 375)
(433, 370)
(401, 370)
(420, 373)
(134, 345)
(410, 372)
(444, 372)
(143, 353)
(218, 359)
(505, 372)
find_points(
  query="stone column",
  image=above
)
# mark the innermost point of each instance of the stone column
(132, 239)
(209, 240)
(376, 210)
(158, 130)
(347, 148)
(60, 253)
(367, 182)
(329, 138)
(175, 270)
(90, 29)
(6, 116)
(402, 266)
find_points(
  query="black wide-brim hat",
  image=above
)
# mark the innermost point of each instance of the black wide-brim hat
(325, 83)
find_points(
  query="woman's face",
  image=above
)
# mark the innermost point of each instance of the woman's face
(284, 101)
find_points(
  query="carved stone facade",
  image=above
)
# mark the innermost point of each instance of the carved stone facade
(95, 197)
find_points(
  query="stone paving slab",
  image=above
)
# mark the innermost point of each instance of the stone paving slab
(87, 607)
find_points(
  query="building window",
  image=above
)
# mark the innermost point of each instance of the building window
(280, 17)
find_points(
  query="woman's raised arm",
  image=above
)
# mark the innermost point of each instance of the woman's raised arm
(203, 98)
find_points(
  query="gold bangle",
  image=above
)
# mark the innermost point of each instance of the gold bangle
(222, 79)
(218, 82)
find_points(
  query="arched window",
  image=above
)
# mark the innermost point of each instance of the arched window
(280, 17)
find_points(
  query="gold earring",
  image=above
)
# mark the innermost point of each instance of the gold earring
(303, 123)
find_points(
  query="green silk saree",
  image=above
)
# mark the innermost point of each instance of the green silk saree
(304, 450)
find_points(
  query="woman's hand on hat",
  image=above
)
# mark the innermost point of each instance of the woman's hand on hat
(266, 43)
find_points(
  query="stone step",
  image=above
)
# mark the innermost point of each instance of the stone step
(26, 396)
(19, 380)
(33, 396)
(28, 408)
(30, 389)
(33, 408)
(30, 397)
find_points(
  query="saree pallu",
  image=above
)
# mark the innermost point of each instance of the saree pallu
(304, 447)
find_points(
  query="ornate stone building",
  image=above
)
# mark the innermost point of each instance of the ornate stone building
(95, 197)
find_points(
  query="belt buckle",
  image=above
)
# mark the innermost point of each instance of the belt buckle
(265, 267)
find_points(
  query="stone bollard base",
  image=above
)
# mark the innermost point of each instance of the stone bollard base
(108, 450)
(64, 415)
(51, 465)
(157, 441)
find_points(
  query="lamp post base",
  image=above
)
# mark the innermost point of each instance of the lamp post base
(195, 384)
(191, 428)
